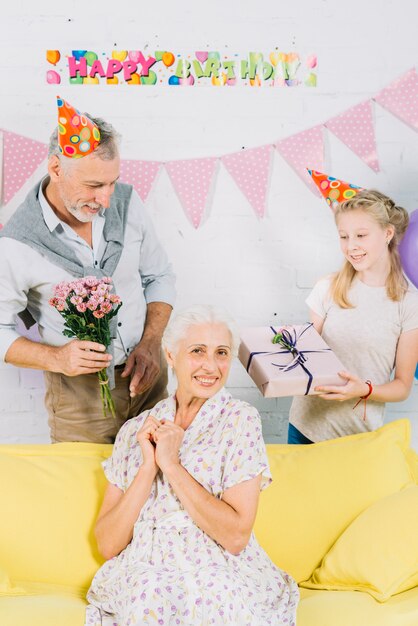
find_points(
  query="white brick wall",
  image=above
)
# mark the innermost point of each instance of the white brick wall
(260, 270)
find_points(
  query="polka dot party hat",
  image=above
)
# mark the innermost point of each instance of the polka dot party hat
(334, 191)
(78, 136)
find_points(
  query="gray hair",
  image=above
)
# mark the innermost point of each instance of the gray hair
(107, 150)
(193, 316)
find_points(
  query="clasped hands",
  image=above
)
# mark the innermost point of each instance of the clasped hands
(160, 443)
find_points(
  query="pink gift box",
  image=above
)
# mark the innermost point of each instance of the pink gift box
(277, 372)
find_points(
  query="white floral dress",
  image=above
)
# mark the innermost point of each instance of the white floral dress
(172, 573)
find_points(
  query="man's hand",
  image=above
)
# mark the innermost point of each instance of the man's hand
(143, 364)
(80, 357)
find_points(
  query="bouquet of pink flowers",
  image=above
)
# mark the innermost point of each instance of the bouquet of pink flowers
(87, 307)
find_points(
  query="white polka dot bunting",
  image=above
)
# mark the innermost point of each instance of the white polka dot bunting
(21, 157)
(401, 98)
(192, 179)
(355, 128)
(140, 174)
(305, 151)
(251, 171)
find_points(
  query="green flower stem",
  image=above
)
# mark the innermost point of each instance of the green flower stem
(107, 400)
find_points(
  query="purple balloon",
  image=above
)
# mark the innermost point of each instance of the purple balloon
(408, 249)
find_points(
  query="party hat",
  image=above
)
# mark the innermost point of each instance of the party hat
(334, 191)
(78, 136)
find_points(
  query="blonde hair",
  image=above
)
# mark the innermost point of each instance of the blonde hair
(386, 213)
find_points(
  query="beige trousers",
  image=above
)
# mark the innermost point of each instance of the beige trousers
(75, 407)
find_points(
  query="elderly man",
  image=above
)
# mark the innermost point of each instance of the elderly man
(80, 221)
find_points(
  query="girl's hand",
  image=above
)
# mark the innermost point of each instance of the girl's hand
(355, 388)
(145, 438)
(168, 439)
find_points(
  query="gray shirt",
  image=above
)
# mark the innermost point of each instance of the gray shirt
(28, 278)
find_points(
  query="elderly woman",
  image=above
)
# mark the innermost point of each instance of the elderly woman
(184, 482)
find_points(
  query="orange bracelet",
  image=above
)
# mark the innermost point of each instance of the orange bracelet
(368, 382)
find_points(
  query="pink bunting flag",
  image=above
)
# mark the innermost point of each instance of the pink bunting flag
(140, 174)
(192, 180)
(21, 157)
(304, 151)
(251, 171)
(355, 128)
(401, 98)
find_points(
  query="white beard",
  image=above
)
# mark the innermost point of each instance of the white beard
(77, 212)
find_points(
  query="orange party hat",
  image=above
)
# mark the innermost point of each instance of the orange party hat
(334, 191)
(78, 136)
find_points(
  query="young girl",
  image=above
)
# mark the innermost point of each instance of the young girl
(368, 315)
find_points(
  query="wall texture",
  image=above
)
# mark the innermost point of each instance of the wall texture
(261, 270)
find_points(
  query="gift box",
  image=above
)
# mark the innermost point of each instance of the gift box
(293, 369)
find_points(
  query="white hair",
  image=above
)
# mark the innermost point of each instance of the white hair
(195, 315)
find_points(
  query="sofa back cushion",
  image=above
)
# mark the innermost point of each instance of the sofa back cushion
(50, 497)
(319, 489)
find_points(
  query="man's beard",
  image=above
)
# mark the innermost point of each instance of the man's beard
(79, 214)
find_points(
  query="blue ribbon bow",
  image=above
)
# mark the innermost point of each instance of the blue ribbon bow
(299, 360)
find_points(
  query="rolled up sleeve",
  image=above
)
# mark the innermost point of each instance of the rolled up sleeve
(157, 276)
(13, 297)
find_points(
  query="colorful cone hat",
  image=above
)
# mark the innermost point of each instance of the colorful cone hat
(334, 191)
(78, 136)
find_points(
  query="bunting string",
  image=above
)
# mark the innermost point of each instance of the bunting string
(193, 179)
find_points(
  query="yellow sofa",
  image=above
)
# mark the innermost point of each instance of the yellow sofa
(340, 516)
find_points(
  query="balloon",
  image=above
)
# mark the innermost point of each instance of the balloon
(90, 57)
(168, 59)
(52, 77)
(173, 80)
(53, 56)
(88, 80)
(77, 80)
(274, 58)
(112, 81)
(311, 61)
(77, 54)
(120, 55)
(135, 55)
(151, 79)
(201, 56)
(219, 81)
(408, 249)
(186, 81)
(135, 79)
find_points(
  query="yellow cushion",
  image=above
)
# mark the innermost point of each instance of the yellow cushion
(319, 489)
(378, 553)
(351, 608)
(46, 609)
(50, 497)
(6, 587)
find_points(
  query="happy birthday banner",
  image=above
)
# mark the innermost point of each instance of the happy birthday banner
(133, 67)
(193, 179)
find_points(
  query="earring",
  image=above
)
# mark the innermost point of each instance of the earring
(387, 241)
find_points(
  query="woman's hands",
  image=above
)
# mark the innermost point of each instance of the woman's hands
(160, 443)
(168, 440)
(145, 438)
(355, 388)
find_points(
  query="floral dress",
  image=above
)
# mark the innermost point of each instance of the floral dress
(173, 573)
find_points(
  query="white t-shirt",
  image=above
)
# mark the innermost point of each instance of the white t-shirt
(365, 339)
